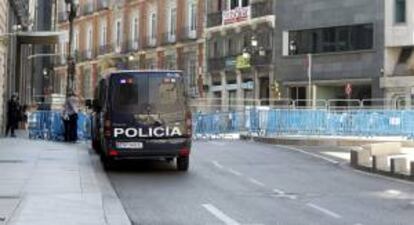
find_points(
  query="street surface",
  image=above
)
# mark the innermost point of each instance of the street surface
(238, 182)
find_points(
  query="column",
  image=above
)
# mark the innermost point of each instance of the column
(256, 91)
(224, 100)
(240, 91)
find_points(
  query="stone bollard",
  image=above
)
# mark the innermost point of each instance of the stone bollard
(374, 163)
(354, 158)
(412, 170)
(392, 166)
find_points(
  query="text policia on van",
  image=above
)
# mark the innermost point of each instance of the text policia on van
(158, 132)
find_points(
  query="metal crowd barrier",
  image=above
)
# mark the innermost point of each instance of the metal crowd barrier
(269, 121)
(48, 125)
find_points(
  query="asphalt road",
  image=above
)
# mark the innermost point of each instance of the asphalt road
(236, 182)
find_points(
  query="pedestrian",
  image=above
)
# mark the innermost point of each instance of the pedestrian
(70, 118)
(13, 114)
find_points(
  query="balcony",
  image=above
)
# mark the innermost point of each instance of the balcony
(214, 19)
(188, 34)
(106, 49)
(102, 4)
(260, 9)
(88, 9)
(151, 41)
(216, 64)
(168, 38)
(62, 17)
(86, 55)
(133, 45)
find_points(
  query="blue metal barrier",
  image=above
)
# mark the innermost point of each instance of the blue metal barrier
(267, 121)
(48, 125)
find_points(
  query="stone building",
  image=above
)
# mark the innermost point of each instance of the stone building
(134, 34)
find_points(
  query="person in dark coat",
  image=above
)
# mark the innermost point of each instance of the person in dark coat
(70, 118)
(13, 115)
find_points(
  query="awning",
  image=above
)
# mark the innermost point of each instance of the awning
(41, 37)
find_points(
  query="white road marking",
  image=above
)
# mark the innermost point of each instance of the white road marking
(234, 172)
(309, 153)
(254, 181)
(358, 224)
(393, 192)
(218, 165)
(282, 194)
(279, 192)
(220, 215)
(325, 211)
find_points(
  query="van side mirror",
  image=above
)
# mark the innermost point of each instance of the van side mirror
(88, 103)
(96, 106)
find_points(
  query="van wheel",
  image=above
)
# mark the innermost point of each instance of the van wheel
(183, 163)
(108, 164)
(96, 146)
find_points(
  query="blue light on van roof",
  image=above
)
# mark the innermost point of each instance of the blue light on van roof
(123, 81)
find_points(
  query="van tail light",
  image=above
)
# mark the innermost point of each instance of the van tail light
(189, 123)
(107, 126)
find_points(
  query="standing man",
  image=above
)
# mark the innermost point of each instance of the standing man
(13, 114)
(70, 117)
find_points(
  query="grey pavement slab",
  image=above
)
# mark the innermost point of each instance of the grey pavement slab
(45, 183)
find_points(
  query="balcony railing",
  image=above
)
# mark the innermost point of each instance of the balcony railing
(103, 4)
(88, 8)
(151, 42)
(62, 17)
(214, 19)
(168, 38)
(133, 45)
(260, 9)
(86, 55)
(216, 64)
(187, 34)
(106, 49)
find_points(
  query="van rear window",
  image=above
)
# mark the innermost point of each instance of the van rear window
(126, 94)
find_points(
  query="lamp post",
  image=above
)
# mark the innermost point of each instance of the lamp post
(252, 52)
(70, 88)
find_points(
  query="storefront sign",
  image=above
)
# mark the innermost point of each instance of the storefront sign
(243, 63)
(248, 85)
(236, 15)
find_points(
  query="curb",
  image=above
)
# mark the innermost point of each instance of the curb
(114, 211)
(312, 141)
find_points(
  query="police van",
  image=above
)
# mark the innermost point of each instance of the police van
(142, 115)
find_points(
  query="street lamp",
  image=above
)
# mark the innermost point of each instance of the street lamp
(70, 89)
(252, 52)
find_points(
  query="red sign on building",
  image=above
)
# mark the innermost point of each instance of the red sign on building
(236, 15)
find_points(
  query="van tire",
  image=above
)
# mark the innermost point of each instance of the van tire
(108, 163)
(183, 163)
(96, 146)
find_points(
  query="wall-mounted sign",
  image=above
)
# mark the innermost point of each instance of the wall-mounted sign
(236, 15)
(242, 63)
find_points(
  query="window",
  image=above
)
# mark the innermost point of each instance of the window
(118, 33)
(103, 34)
(331, 39)
(172, 24)
(400, 11)
(192, 18)
(89, 42)
(135, 32)
(238, 3)
(153, 28)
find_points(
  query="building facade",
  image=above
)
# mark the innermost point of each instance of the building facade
(324, 46)
(398, 73)
(4, 7)
(133, 34)
(240, 51)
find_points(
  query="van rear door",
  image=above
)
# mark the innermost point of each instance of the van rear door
(167, 100)
(147, 101)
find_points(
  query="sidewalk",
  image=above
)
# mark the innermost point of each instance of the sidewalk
(328, 141)
(44, 183)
